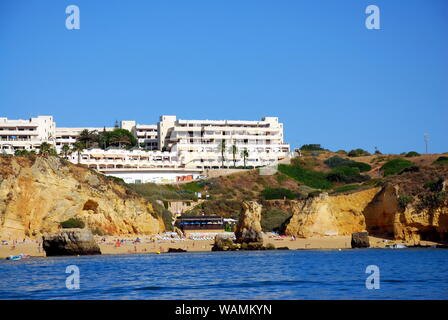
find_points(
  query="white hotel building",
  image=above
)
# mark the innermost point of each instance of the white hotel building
(169, 151)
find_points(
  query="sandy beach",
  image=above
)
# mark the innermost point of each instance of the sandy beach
(148, 244)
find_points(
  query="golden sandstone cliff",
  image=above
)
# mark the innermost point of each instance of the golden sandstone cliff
(37, 193)
(376, 210)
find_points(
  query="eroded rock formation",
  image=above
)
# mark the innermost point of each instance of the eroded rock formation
(249, 227)
(37, 193)
(70, 242)
(330, 215)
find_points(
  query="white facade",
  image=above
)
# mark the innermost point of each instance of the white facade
(171, 145)
(199, 142)
(26, 134)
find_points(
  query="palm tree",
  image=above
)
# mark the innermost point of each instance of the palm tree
(87, 137)
(222, 149)
(245, 154)
(78, 147)
(65, 150)
(45, 149)
(234, 150)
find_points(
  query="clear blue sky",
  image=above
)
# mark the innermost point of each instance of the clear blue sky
(311, 63)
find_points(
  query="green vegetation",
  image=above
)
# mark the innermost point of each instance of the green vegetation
(311, 178)
(435, 186)
(103, 139)
(346, 188)
(72, 223)
(24, 152)
(152, 191)
(46, 149)
(441, 160)
(312, 147)
(432, 200)
(395, 166)
(412, 154)
(277, 193)
(404, 200)
(336, 161)
(192, 186)
(358, 153)
(346, 175)
(273, 219)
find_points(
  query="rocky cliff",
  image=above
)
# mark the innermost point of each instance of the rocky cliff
(249, 228)
(37, 193)
(330, 215)
(376, 210)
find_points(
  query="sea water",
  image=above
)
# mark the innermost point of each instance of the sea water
(299, 274)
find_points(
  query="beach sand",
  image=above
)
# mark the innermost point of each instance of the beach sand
(147, 244)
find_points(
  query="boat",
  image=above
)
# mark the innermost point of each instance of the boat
(396, 246)
(18, 257)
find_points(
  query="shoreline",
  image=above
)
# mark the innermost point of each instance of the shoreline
(147, 244)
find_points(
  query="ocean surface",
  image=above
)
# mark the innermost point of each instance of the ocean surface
(300, 274)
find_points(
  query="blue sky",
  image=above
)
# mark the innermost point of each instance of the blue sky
(311, 63)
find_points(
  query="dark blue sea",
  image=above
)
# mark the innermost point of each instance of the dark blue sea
(304, 274)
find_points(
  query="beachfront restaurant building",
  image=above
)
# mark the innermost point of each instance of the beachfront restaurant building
(203, 224)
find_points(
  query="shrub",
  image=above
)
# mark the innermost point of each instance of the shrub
(358, 153)
(273, 219)
(337, 161)
(347, 188)
(404, 200)
(395, 166)
(432, 200)
(277, 193)
(72, 223)
(311, 178)
(410, 169)
(313, 194)
(412, 154)
(434, 186)
(346, 175)
(312, 147)
(441, 160)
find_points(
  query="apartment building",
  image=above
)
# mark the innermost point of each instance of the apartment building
(26, 134)
(211, 144)
(166, 151)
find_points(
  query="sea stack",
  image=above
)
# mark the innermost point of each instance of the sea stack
(70, 242)
(248, 229)
(360, 240)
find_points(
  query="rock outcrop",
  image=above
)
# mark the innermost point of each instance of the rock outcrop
(248, 228)
(385, 217)
(325, 215)
(37, 193)
(376, 210)
(70, 242)
(360, 240)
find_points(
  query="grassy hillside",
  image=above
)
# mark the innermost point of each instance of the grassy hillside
(307, 176)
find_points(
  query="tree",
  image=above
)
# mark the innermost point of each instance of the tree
(88, 138)
(65, 150)
(119, 137)
(245, 154)
(46, 149)
(222, 149)
(78, 147)
(234, 150)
